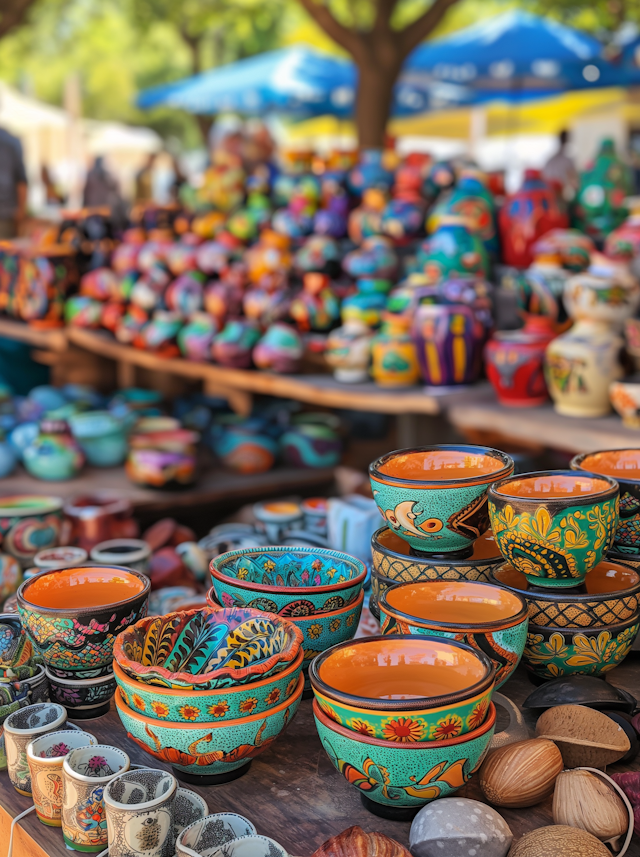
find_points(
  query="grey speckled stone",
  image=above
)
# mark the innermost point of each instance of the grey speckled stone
(458, 827)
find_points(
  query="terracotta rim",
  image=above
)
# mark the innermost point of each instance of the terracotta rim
(319, 714)
(480, 479)
(218, 724)
(555, 629)
(425, 702)
(413, 560)
(75, 611)
(217, 573)
(576, 463)
(497, 497)
(497, 625)
(119, 673)
(47, 506)
(541, 593)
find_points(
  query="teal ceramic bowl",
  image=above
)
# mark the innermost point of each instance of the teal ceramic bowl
(435, 497)
(396, 779)
(101, 436)
(201, 706)
(207, 648)
(209, 753)
(290, 581)
(321, 631)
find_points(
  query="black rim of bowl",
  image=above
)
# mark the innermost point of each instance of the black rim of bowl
(426, 560)
(481, 478)
(499, 498)
(541, 593)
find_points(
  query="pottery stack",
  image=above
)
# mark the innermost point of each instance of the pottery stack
(208, 690)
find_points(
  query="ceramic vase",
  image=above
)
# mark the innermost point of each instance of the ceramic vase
(196, 337)
(600, 205)
(54, 454)
(348, 351)
(449, 340)
(452, 251)
(514, 364)
(279, 350)
(393, 353)
(316, 307)
(473, 202)
(234, 345)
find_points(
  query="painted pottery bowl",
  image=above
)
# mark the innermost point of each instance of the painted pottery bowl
(394, 563)
(206, 648)
(291, 581)
(404, 688)
(552, 652)
(197, 706)
(131, 553)
(73, 615)
(16, 649)
(623, 465)
(435, 497)
(610, 594)
(83, 698)
(554, 526)
(209, 752)
(488, 618)
(206, 835)
(62, 557)
(405, 776)
(28, 524)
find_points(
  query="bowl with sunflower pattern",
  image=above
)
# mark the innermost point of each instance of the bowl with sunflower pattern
(207, 648)
(404, 688)
(289, 581)
(217, 705)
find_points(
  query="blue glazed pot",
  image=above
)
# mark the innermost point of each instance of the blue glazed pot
(101, 436)
(243, 445)
(54, 454)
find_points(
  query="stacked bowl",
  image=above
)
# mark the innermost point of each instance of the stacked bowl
(405, 719)
(207, 689)
(320, 591)
(72, 617)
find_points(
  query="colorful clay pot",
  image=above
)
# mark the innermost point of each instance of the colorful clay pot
(83, 698)
(610, 594)
(208, 834)
(474, 203)
(201, 706)
(394, 356)
(393, 562)
(10, 575)
(243, 444)
(73, 615)
(321, 631)
(514, 364)
(367, 303)
(97, 517)
(207, 649)
(101, 436)
(29, 523)
(289, 581)
(554, 526)
(348, 351)
(161, 458)
(600, 205)
(552, 652)
(486, 617)
(312, 440)
(623, 244)
(452, 251)
(623, 465)
(397, 776)
(434, 497)
(54, 454)
(449, 341)
(279, 350)
(316, 307)
(196, 337)
(540, 289)
(404, 688)
(625, 401)
(187, 747)
(234, 344)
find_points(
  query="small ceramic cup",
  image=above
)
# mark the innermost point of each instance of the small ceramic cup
(188, 808)
(22, 727)
(45, 756)
(140, 813)
(62, 557)
(85, 773)
(250, 846)
(205, 837)
(131, 553)
(83, 698)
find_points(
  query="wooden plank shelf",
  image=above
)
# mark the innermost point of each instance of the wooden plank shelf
(49, 339)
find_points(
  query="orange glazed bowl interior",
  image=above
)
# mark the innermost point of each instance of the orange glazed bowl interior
(82, 587)
(606, 578)
(484, 547)
(623, 464)
(454, 602)
(549, 486)
(436, 465)
(401, 668)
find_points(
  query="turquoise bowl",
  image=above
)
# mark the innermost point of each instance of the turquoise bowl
(101, 436)
(435, 497)
(206, 648)
(396, 779)
(209, 753)
(324, 630)
(290, 581)
(200, 706)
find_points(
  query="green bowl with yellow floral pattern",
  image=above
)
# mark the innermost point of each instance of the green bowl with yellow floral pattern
(555, 652)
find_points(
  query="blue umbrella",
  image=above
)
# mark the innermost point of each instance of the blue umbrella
(515, 55)
(297, 81)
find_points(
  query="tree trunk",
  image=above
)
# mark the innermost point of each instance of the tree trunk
(205, 124)
(373, 104)
(194, 43)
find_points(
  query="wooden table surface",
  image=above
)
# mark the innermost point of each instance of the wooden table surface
(292, 791)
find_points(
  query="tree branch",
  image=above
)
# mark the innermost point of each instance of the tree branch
(14, 14)
(424, 25)
(384, 11)
(346, 38)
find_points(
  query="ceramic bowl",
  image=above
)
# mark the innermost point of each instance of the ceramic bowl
(83, 698)
(229, 703)
(625, 400)
(28, 524)
(391, 775)
(623, 465)
(213, 752)
(131, 553)
(554, 526)
(205, 648)
(552, 652)
(610, 594)
(435, 497)
(290, 581)
(393, 563)
(73, 615)
(404, 688)
(488, 618)
(62, 557)
(203, 837)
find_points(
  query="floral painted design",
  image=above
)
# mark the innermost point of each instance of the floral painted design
(583, 654)
(403, 730)
(362, 727)
(125, 696)
(248, 705)
(97, 766)
(315, 630)
(448, 727)
(328, 710)
(160, 709)
(138, 702)
(478, 715)
(334, 625)
(218, 709)
(273, 696)
(291, 687)
(189, 712)
(57, 750)
(351, 619)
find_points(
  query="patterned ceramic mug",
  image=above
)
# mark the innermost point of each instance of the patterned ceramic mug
(206, 836)
(45, 756)
(188, 808)
(140, 813)
(20, 728)
(85, 773)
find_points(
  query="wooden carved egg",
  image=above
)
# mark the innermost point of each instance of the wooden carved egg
(584, 736)
(521, 774)
(559, 841)
(456, 826)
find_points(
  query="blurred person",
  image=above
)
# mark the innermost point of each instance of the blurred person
(52, 194)
(179, 180)
(144, 180)
(101, 188)
(561, 170)
(13, 186)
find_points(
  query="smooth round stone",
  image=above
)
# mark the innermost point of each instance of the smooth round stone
(458, 827)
